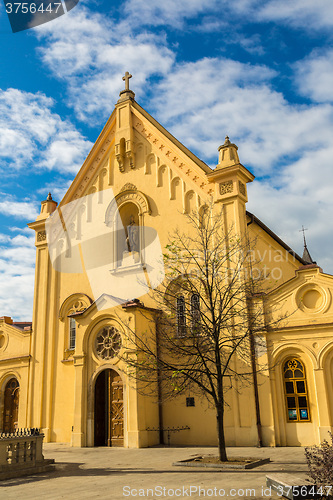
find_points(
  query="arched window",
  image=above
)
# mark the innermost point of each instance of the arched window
(72, 333)
(296, 393)
(11, 404)
(181, 316)
(195, 314)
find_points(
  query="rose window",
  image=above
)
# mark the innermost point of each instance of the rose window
(108, 342)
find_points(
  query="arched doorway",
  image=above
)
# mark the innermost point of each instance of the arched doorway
(109, 409)
(11, 404)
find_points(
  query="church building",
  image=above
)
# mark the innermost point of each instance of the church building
(98, 251)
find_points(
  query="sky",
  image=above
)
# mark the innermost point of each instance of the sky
(259, 71)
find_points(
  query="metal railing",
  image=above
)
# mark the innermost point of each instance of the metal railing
(169, 430)
(20, 432)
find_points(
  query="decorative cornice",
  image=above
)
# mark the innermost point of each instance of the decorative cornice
(27, 357)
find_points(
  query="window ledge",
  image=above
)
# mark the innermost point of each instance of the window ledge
(126, 269)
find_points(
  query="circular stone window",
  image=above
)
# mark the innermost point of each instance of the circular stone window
(312, 299)
(108, 342)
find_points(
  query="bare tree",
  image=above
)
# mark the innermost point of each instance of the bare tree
(206, 317)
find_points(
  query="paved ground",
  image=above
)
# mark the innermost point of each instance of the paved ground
(120, 473)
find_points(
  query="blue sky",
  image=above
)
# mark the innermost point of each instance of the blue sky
(259, 71)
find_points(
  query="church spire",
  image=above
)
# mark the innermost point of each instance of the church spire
(306, 254)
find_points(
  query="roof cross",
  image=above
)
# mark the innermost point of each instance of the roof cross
(126, 80)
(303, 231)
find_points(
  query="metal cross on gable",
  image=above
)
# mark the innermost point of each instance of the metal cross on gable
(126, 80)
(303, 231)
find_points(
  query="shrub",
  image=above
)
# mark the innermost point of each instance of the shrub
(320, 463)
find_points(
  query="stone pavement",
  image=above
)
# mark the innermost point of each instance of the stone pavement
(120, 473)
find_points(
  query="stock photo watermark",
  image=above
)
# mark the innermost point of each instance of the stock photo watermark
(99, 235)
(107, 238)
(217, 492)
(26, 15)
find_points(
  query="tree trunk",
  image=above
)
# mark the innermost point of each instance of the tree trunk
(220, 433)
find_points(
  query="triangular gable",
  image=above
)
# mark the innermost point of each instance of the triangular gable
(305, 299)
(152, 145)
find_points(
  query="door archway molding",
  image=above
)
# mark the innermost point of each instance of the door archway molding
(91, 401)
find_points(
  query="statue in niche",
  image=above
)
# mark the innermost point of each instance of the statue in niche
(132, 239)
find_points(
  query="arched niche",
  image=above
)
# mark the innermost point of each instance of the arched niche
(150, 163)
(190, 202)
(175, 188)
(127, 232)
(125, 217)
(139, 155)
(162, 176)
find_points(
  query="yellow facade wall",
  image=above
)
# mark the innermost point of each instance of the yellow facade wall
(144, 165)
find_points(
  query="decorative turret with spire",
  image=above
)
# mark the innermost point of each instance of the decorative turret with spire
(47, 207)
(228, 154)
(306, 254)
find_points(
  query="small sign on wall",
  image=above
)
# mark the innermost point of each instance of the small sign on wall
(190, 402)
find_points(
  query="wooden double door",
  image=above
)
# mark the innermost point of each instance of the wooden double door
(109, 409)
(11, 405)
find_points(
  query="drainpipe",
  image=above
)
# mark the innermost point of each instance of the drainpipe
(255, 386)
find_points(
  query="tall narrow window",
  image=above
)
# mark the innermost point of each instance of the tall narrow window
(296, 393)
(72, 333)
(181, 316)
(195, 314)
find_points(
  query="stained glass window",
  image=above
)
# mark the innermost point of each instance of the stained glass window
(181, 316)
(72, 333)
(108, 342)
(296, 394)
(195, 314)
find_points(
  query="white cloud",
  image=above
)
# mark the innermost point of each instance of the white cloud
(314, 76)
(57, 188)
(172, 12)
(201, 102)
(17, 259)
(18, 209)
(15, 229)
(91, 53)
(307, 14)
(32, 135)
(301, 195)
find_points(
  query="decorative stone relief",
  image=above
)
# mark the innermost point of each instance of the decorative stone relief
(108, 343)
(128, 187)
(137, 198)
(226, 187)
(41, 236)
(242, 188)
(78, 306)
